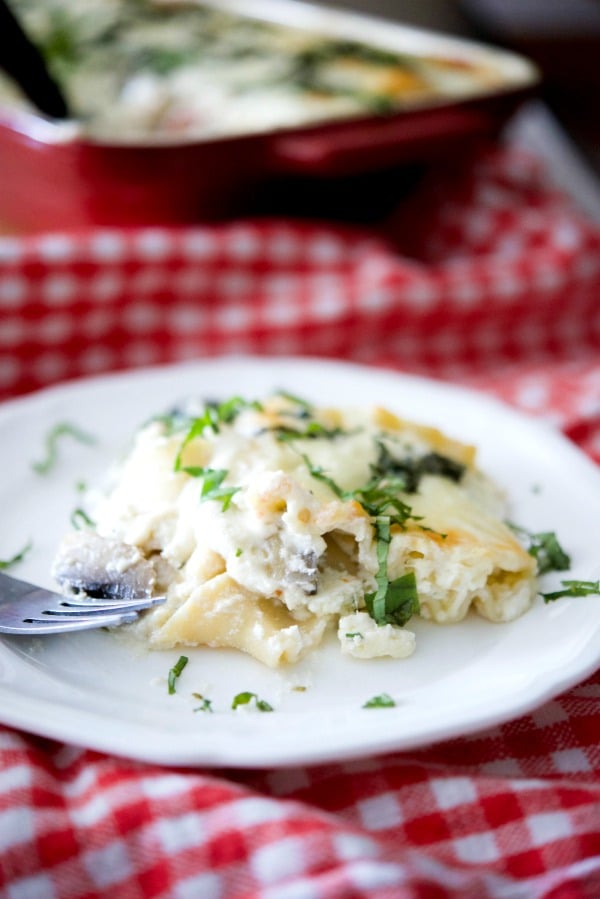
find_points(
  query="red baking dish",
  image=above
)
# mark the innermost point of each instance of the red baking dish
(51, 177)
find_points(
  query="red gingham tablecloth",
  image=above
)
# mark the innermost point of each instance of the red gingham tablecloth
(486, 276)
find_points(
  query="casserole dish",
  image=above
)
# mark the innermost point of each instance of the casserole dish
(103, 167)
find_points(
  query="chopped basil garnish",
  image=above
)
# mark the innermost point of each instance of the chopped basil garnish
(64, 429)
(546, 549)
(383, 701)
(377, 497)
(318, 473)
(214, 415)
(80, 519)
(308, 427)
(355, 635)
(381, 499)
(574, 588)
(196, 429)
(217, 414)
(245, 698)
(175, 672)
(229, 410)
(14, 560)
(549, 553)
(312, 431)
(205, 704)
(212, 478)
(394, 602)
(298, 401)
(397, 603)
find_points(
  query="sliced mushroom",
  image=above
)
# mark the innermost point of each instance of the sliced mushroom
(102, 567)
(301, 571)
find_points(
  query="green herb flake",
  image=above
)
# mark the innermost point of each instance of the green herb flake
(14, 560)
(319, 474)
(212, 479)
(229, 410)
(549, 553)
(574, 588)
(246, 698)
(296, 400)
(196, 429)
(394, 602)
(381, 499)
(312, 431)
(175, 672)
(205, 704)
(80, 519)
(63, 429)
(546, 549)
(378, 497)
(383, 701)
(213, 416)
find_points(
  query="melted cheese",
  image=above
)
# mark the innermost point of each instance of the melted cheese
(288, 549)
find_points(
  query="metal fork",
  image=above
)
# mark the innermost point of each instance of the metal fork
(30, 610)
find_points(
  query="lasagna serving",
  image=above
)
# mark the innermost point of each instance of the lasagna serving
(157, 69)
(268, 524)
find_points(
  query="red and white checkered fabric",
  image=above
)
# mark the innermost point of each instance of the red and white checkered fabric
(486, 276)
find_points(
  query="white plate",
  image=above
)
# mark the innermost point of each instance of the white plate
(94, 689)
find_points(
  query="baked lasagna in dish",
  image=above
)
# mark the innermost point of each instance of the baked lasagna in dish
(136, 70)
